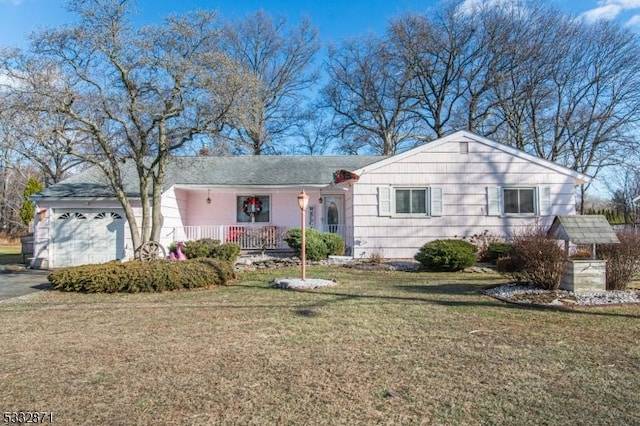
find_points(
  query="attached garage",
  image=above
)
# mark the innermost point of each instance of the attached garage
(80, 237)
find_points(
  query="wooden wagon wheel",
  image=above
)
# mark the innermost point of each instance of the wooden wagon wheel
(151, 250)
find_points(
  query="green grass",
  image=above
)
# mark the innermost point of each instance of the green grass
(10, 254)
(389, 348)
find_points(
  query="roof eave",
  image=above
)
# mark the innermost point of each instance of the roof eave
(579, 178)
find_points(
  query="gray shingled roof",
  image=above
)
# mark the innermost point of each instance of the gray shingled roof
(591, 229)
(221, 171)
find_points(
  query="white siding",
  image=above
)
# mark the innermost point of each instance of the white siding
(41, 237)
(43, 233)
(174, 203)
(464, 180)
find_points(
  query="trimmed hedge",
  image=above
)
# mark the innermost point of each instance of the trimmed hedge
(334, 242)
(319, 246)
(196, 248)
(137, 276)
(316, 249)
(208, 247)
(226, 251)
(447, 255)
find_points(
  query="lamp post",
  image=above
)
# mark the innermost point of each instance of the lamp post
(303, 201)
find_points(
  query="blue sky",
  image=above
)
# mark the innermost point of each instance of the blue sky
(334, 19)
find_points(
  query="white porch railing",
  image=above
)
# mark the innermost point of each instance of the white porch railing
(247, 236)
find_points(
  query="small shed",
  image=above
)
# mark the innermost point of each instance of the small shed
(583, 275)
(583, 230)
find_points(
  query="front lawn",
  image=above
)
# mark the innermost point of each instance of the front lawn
(381, 347)
(10, 254)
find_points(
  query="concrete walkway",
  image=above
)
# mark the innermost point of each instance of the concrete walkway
(22, 282)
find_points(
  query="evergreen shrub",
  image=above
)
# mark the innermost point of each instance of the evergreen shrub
(208, 247)
(196, 248)
(316, 246)
(138, 276)
(497, 250)
(334, 242)
(226, 251)
(447, 255)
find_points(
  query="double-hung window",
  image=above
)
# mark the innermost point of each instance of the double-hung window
(409, 201)
(518, 201)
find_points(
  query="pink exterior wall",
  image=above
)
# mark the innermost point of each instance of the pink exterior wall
(284, 209)
(188, 207)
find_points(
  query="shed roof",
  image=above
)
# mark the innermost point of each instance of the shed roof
(591, 229)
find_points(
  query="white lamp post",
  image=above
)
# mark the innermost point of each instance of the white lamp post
(303, 201)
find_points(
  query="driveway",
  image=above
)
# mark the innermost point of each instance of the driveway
(14, 284)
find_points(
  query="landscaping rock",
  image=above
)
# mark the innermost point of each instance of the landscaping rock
(299, 284)
(529, 294)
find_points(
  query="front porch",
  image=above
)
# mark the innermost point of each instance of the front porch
(254, 218)
(250, 236)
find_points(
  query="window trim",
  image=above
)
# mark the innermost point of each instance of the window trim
(536, 208)
(387, 201)
(427, 201)
(261, 195)
(542, 202)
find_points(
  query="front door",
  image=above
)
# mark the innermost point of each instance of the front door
(333, 214)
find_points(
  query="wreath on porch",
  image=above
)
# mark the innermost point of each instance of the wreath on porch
(252, 206)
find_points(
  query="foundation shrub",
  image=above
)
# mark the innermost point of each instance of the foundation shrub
(196, 248)
(447, 255)
(495, 251)
(137, 276)
(211, 243)
(226, 251)
(334, 242)
(316, 249)
(510, 266)
(482, 242)
(538, 259)
(623, 260)
(208, 247)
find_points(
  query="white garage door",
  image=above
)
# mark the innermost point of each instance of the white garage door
(82, 236)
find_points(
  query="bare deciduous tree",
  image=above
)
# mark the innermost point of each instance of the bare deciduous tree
(314, 135)
(280, 58)
(11, 181)
(132, 95)
(574, 97)
(521, 72)
(369, 93)
(435, 50)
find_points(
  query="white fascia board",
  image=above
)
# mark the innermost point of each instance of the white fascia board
(579, 178)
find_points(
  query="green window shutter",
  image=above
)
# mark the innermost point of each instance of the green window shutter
(493, 201)
(384, 201)
(436, 201)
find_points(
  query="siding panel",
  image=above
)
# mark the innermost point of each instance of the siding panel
(463, 180)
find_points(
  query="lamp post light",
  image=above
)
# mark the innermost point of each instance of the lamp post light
(303, 201)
